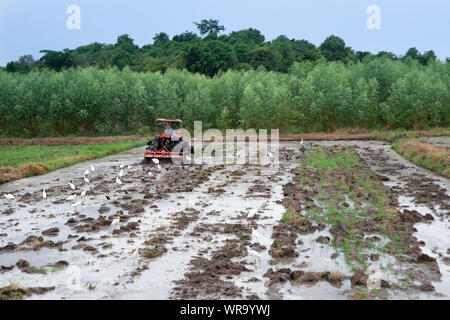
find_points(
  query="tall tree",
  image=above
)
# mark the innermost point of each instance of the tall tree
(209, 26)
(210, 57)
(160, 38)
(334, 49)
(57, 60)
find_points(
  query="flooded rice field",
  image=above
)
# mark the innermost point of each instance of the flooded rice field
(209, 231)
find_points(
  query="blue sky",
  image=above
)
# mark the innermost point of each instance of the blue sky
(27, 26)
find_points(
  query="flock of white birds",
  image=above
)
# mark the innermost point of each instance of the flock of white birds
(75, 201)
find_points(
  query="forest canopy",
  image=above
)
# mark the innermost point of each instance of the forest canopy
(207, 53)
(227, 81)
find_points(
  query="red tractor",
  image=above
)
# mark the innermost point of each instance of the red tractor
(163, 144)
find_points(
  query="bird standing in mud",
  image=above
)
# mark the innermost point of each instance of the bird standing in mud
(256, 235)
(71, 185)
(115, 221)
(121, 173)
(118, 181)
(251, 213)
(71, 198)
(136, 255)
(255, 254)
(44, 195)
(76, 204)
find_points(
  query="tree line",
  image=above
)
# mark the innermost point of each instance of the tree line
(313, 95)
(207, 53)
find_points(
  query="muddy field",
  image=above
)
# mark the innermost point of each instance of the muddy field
(373, 226)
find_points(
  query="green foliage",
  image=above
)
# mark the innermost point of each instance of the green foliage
(214, 52)
(313, 96)
(209, 26)
(210, 57)
(334, 49)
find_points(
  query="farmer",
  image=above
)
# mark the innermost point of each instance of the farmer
(169, 129)
(173, 135)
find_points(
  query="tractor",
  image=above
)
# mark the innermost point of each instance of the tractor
(162, 145)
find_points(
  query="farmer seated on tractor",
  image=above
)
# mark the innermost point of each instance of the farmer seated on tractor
(169, 130)
(173, 135)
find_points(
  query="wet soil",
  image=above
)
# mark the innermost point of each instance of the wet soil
(212, 231)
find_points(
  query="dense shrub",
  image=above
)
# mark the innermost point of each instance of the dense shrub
(312, 96)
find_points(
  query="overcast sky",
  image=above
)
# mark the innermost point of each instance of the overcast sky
(27, 26)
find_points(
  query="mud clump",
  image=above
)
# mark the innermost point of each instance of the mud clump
(205, 278)
(153, 252)
(359, 278)
(10, 247)
(104, 209)
(300, 277)
(4, 269)
(25, 267)
(14, 292)
(323, 240)
(184, 218)
(52, 232)
(237, 173)
(414, 216)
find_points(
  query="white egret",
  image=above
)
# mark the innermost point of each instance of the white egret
(86, 172)
(256, 235)
(150, 174)
(72, 186)
(136, 255)
(121, 166)
(301, 141)
(270, 154)
(115, 221)
(252, 213)
(118, 181)
(76, 204)
(121, 173)
(86, 179)
(83, 194)
(44, 195)
(92, 168)
(71, 197)
(9, 196)
(155, 161)
(159, 167)
(255, 254)
(129, 167)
